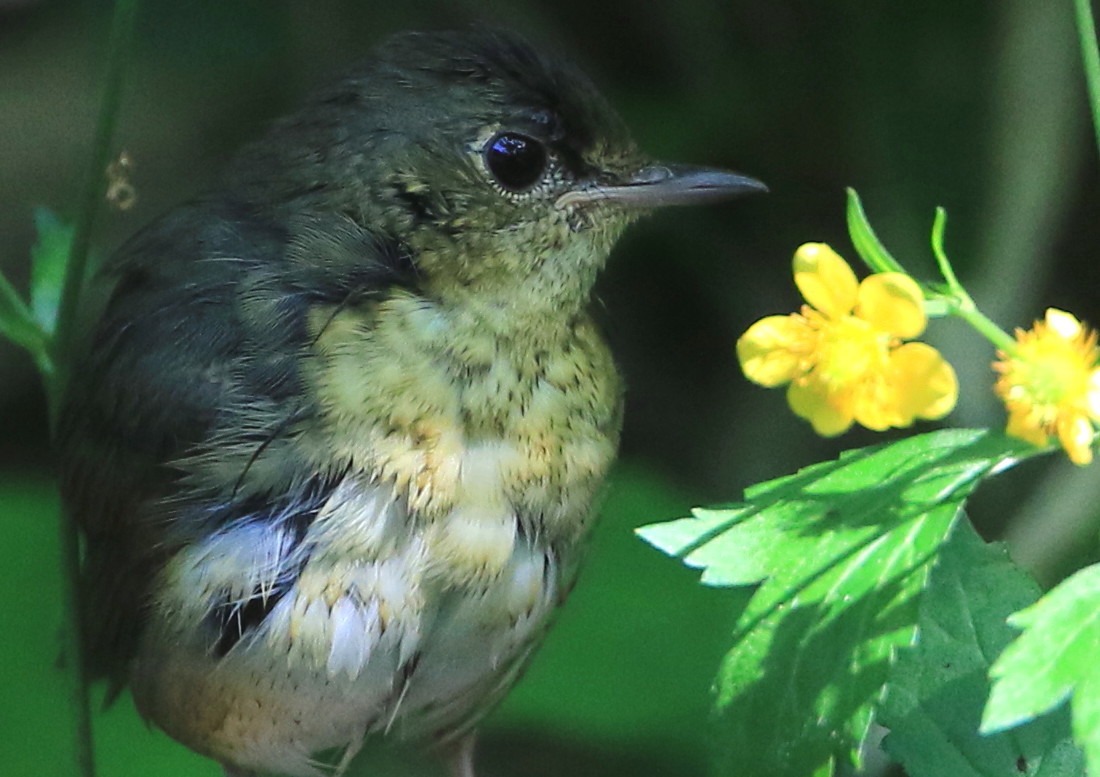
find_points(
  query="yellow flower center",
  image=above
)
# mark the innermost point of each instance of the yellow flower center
(1051, 384)
(1050, 375)
(1053, 373)
(849, 351)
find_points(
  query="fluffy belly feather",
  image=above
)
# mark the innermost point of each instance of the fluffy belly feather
(411, 596)
(398, 638)
(358, 645)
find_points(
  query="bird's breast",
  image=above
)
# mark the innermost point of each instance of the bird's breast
(466, 464)
(481, 433)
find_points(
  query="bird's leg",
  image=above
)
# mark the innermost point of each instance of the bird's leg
(350, 752)
(459, 755)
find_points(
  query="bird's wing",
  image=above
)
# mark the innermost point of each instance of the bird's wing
(190, 374)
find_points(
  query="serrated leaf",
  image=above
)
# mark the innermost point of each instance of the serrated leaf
(49, 257)
(937, 687)
(841, 552)
(1055, 658)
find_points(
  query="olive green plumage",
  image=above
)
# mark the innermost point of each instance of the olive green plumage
(335, 439)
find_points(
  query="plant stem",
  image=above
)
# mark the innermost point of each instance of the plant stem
(118, 52)
(957, 301)
(946, 270)
(118, 55)
(1086, 31)
(969, 313)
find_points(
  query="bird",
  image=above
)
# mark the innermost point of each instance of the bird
(335, 438)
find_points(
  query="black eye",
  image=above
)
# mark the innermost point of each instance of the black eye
(516, 161)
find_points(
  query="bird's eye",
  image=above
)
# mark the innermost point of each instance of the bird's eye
(516, 161)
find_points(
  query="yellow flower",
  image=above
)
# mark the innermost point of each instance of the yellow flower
(843, 354)
(1051, 384)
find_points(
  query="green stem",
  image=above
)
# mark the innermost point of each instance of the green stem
(1086, 31)
(80, 695)
(118, 55)
(118, 52)
(984, 325)
(939, 224)
(957, 301)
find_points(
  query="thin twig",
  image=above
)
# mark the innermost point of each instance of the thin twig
(118, 55)
(117, 58)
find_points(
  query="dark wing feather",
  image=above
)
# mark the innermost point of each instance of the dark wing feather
(197, 355)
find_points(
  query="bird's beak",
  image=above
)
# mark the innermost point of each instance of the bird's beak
(658, 185)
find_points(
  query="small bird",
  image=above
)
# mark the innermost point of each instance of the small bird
(334, 442)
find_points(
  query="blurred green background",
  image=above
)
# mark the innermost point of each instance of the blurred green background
(976, 106)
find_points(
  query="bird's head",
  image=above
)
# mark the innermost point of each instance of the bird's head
(506, 175)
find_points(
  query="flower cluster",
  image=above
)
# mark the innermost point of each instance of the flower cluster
(849, 356)
(844, 356)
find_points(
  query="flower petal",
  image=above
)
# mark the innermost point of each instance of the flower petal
(1051, 384)
(876, 407)
(1092, 396)
(1022, 425)
(1075, 433)
(770, 349)
(892, 302)
(1064, 324)
(825, 280)
(809, 400)
(925, 384)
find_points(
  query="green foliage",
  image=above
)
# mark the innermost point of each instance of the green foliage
(617, 667)
(49, 258)
(36, 738)
(937, 688)
(840, 552)
(35, 720)
(18, 325)
(866, 242)
(837, 588)
(32, 326)
(615, 675)
(1056, 657)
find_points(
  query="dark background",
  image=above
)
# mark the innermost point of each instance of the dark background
(976, 106)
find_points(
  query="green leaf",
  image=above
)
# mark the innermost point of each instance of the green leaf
(840, 551)
(621, 636)
(866, 242)
(1055, 658)
(937, 688)
(16, 322)
(31, 327)
(48, 260)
